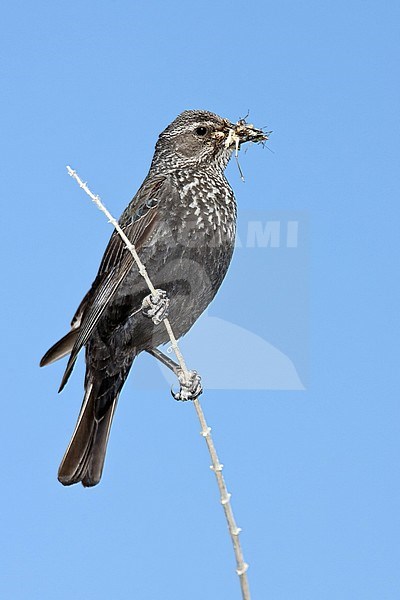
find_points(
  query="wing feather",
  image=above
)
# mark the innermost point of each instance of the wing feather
(138, 222)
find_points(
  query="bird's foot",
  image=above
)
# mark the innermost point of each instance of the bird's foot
(156, 306)
(190, 387)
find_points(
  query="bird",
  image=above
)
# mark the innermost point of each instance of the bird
(182, 222)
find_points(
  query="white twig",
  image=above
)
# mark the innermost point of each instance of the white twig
(216, 466)
(234, 530)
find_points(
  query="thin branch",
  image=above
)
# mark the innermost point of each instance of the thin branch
(216, 466)
(234, 530)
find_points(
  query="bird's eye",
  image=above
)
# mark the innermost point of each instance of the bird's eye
(201, 131)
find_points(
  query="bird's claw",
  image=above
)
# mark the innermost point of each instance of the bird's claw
(156, 306)
(190, 388)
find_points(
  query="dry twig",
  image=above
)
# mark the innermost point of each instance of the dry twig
(216, 466)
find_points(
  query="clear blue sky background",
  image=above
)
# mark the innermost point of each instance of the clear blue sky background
(314, 474)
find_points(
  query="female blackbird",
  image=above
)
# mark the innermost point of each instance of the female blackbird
(182, 222)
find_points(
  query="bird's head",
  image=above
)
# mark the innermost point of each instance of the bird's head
(201, 138)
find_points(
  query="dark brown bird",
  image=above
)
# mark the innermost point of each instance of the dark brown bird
(182, 222)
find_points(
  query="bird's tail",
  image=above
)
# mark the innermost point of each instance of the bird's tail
(84, 458)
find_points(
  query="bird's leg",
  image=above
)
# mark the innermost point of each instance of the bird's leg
(165, 360)
(190, 388)
(155, 306)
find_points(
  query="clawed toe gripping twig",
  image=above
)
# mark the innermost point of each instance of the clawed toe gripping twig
(190, 389)
(156, 306)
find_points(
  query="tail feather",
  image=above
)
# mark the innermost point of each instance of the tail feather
(95, 461)
(84, 458)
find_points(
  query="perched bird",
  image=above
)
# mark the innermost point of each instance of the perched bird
(182, 222)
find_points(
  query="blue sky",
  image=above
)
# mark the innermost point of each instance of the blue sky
(312, 455)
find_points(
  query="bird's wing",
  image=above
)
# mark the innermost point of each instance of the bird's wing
(138, 222)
